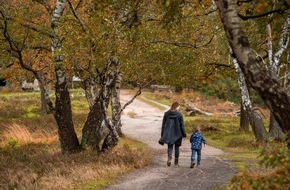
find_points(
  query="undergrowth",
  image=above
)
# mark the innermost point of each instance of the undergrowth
(42, 166)
(30, 155)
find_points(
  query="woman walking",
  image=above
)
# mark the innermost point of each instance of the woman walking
(172, 131)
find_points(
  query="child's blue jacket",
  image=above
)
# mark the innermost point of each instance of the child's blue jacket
(196, 140)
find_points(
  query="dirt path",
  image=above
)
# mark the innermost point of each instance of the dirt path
(146, 126)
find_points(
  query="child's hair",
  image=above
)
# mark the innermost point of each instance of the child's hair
(197, 129)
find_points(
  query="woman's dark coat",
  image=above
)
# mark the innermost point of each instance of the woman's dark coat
(172, 128)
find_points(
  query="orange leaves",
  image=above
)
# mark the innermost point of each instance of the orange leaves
(262, 5)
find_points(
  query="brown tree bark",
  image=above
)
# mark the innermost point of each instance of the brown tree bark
(94, 125)
(63, 113)
(256, 75)
(275, 130)
(63, 116)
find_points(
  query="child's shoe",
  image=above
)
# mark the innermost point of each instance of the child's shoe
(192, 165)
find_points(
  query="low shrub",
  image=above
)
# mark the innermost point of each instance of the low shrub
(277, 161)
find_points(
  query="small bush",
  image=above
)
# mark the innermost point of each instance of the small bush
(277, 161)
(12, 143)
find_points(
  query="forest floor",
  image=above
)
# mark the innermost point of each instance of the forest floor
(143, 122)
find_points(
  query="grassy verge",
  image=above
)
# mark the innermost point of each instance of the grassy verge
(42, 166)
(223, 133)
(30, 156)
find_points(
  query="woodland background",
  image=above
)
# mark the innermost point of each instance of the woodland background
(232, 50)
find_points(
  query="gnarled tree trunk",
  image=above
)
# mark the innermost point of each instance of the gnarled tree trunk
(63, 113)
(275, 130)
(255, 120)
(256, 75)
(94, 125)
(112, 138)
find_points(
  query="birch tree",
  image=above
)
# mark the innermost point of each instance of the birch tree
(274, 96)
(63, 113)
(255, 120)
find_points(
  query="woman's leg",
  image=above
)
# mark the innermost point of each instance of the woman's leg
(169, 152)
(176, 154)
(176, 151)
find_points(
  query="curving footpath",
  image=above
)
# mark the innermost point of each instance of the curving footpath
(213, 173)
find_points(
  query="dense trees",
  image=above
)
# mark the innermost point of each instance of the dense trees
(106, 43)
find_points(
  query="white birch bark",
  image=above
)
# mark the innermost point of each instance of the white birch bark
(254, 119)
(275, 67)
(283, 44)
(63, 112)
(257, 76)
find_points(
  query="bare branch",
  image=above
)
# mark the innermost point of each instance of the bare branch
(178, 44)
(184, 44)
(217, 65)
(45, 48)
(45, 4)
(79, 4)
(279, 11)
(135, 96)
(76, 15)
(43, 32)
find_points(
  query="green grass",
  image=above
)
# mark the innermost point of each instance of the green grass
(158, 98)
(30, 155)
(240, 147)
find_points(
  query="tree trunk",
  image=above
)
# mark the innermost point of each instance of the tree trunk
(107, 86)
(46, 103)
(93, 128)
(44, 107)
(255, 120)
(63, 113)
(91, 91)
(63, 116)
(275, 130)
(116, 103)
(244, 120)
(256, 75)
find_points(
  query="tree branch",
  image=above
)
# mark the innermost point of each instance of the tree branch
(279, 11)
(135, 96)
(76, 15)
(45, 4)
(37, 30)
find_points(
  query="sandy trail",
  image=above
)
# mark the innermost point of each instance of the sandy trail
(146, 127)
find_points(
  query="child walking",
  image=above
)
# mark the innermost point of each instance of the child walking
(196, 140)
